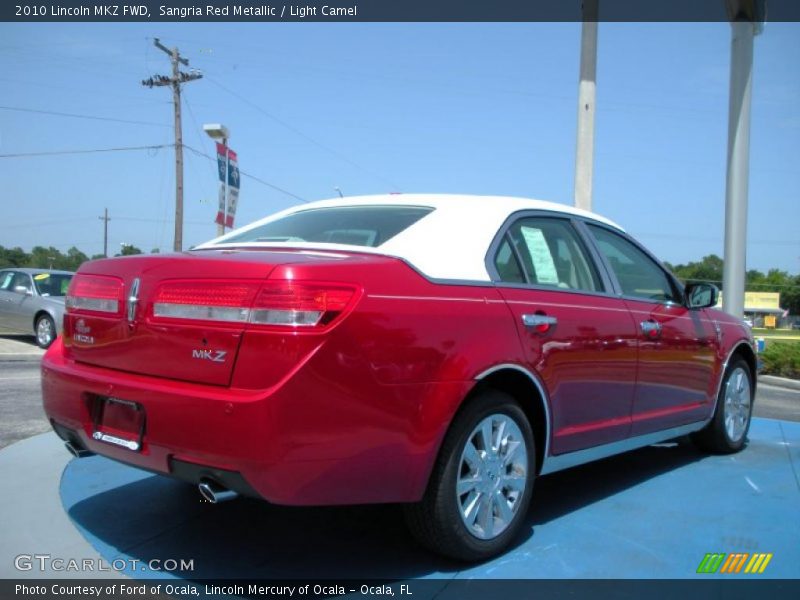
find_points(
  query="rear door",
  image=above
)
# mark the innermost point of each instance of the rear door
(677, 346)
(578, 338)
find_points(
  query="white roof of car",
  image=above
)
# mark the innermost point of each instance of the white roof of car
(449, 243)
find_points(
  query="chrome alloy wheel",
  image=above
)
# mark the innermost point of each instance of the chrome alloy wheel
(45, 332)
(737, 404)
(493, 471)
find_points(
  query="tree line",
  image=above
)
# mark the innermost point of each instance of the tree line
(709, 269)
(52, 258)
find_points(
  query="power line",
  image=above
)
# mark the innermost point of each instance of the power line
(77, 116)
(253, 177)
(89, 151)
(304, 136)
(144, 220)
(697, 238)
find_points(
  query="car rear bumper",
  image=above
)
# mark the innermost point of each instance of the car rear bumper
(305, 441)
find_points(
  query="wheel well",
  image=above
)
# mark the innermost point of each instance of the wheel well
(519, 386)
(39, 314)
(746, 352)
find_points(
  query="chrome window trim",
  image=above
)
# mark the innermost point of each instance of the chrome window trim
(574, 221)
(545, 399)
(607, 266)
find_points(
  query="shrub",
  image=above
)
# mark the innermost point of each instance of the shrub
(782, 359)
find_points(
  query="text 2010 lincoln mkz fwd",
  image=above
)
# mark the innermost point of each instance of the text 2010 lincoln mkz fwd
(436, 351)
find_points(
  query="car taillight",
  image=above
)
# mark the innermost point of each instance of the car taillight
(300, 304)
(279, 303)
(95, 294)
(205, 301)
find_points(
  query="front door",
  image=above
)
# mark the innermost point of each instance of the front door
(677, 346)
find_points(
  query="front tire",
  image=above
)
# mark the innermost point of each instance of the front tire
(726, 433)
(45, 330)
(481, 485)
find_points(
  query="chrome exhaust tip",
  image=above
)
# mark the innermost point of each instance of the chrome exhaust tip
(76, 451)
(215, 493)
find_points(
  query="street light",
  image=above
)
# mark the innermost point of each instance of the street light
(218, 131)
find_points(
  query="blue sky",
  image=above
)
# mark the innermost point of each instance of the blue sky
(370, 108)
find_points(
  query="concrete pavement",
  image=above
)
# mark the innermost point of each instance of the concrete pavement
(18, 346)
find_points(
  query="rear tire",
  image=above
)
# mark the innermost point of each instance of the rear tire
(480, 490)
(45, 331)
(726, 433)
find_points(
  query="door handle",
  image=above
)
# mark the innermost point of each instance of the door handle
(651, 329)
(541, 323)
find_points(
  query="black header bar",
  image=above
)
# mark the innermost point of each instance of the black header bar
(355, 11)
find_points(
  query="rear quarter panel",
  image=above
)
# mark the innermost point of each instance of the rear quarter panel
(380, 388)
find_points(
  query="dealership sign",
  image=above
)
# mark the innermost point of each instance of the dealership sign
(228, 169)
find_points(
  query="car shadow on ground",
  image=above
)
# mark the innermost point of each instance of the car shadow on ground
(152, 517)
(573, 489)
(27, 340)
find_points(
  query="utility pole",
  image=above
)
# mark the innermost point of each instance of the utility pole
(105, 218)
(175, 81)
(746, 18)
(587, 86)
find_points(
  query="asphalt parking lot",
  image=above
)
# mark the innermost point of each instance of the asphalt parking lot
(21, 414)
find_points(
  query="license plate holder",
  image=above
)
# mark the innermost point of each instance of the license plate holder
(118, 422)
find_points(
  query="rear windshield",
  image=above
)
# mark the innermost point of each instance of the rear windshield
(353, 225)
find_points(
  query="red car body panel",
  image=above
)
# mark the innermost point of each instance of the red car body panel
(288, 422)
(355, 412)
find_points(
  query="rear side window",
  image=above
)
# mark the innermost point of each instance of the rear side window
(551, 255)
(639, 275)
(55, 284)
(507, 265)
(353, 225)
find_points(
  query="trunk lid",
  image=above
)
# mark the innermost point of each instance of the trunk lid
(177, 316)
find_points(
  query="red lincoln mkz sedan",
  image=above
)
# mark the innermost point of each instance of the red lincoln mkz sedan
(438, 351)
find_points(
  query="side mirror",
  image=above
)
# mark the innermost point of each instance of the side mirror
(21, 289)
(701, 295)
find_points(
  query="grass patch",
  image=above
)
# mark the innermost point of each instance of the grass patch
(781, 359)
(768, 333)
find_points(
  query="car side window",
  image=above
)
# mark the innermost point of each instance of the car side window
(637, 273)
(6, 277)
(21, 280)
(551, 253)
(507, 264)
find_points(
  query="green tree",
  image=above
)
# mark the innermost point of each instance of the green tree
(129, 250)
(45, 258)
(13, 257)
(707, 269)
(74, 259)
